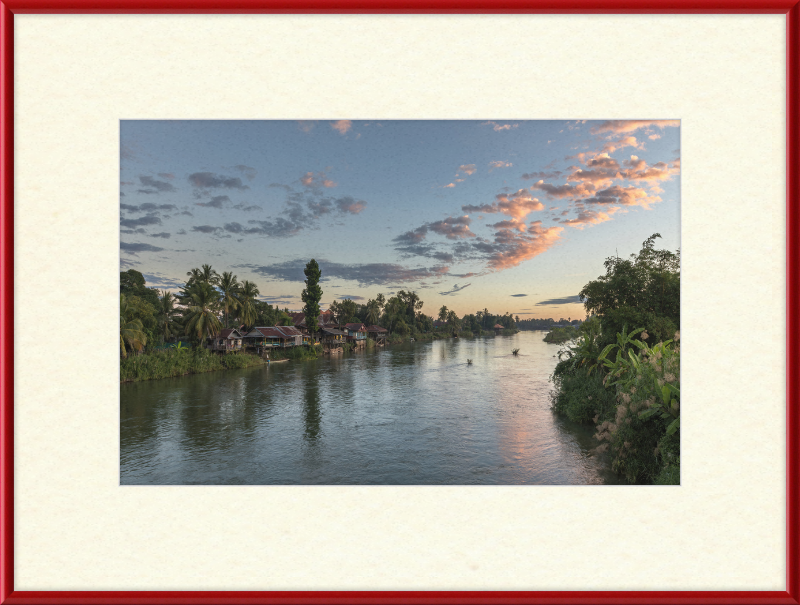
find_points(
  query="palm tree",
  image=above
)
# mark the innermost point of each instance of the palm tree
(373, 312)
(229, 286)
(205, 274)
(247, 302)
(453, 321)
(209, 275)
(167, 314)
(130, 329)
(201, 317)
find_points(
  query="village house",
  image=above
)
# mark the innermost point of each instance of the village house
(264, 338)
(331, 338)
(229, 339)
(378, 334)
(497, 329)
(356, 333)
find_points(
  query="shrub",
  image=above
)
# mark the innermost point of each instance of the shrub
(561, 335)
(177, 362)
(644, 433)
(581, 396)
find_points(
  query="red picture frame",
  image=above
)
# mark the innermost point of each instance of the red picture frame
(790, 8)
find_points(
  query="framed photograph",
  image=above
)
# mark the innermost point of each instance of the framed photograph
(404, 292)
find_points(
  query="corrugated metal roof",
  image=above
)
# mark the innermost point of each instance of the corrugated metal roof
(376, 329)
(333, 332)
(227, 332)
(289, 331)
(355, 327)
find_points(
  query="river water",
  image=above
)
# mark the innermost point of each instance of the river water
(415, 413)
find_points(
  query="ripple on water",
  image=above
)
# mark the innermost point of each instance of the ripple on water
(408, 414)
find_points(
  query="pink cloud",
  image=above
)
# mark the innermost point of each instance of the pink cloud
(517, 205)
(311, 179)
(622, 126)
(452, 227)
(561, 191)
(653, 137)
(498, 127)
(467, 168)
(513, 247)
(638, 170)
(628, 141)
(342, 126)
(500, 164)
(590, 217)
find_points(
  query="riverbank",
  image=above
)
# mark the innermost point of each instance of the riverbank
(170, 363)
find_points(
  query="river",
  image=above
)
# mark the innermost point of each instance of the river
(412, 414)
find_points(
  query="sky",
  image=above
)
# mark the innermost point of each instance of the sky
(512, 216)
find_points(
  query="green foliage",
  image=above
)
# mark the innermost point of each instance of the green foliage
(561, 335)
(132, 283)
(229, 288)
(297, 353)
(172, 362)
(515, 352)
(201, 316)
(646, 426)
(344, 311)
(246, 303)
(581, 396)
(628, 383)
(311, 295)
(642, 291)
(131, 331)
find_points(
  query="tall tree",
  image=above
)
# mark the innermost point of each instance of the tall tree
(373, 312)
(166, 315)
(311, 296)
(228, 285)
(640, 292)
(247, 303)
(201, 317)
(130, 328)
(443, 313)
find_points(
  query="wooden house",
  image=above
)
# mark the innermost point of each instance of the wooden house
(378, 334)
(498, 329)
(262, 338)
(356, 333)
(229, 339)
(331, 337)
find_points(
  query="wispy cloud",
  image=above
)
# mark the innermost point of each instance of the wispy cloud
(209, 180)
(517, 205)
(455, 289)
(134, 249)
(154, 186)
(499, 127)
(368, 274)
(620, 126)
(564, 300)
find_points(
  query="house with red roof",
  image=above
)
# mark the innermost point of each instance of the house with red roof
(229, 339)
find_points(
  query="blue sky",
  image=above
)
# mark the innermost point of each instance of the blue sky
(513, 216)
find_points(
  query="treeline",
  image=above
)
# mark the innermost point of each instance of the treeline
(546, 324)
(207, 303)
(622, 371)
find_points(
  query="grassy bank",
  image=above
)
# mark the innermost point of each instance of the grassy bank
(561, 335)
(296, 353)
(174, 362)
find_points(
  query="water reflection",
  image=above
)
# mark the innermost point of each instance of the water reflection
(409, 414)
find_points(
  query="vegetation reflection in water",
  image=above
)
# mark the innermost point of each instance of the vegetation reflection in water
(416, 413)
